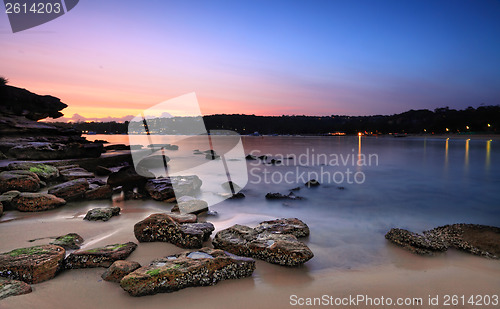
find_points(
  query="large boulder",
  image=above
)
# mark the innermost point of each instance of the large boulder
(70, 190)
(181, 230)
(103, 214)
(129, 178)
(9, 287)
(97, 192)
(33, 264)
(68, 241)
(163, 188)
(99, 257)
(476, 239)
(43, 171)
(190, 205)
(292, 226)
(7, 197)
(20, 180)
(119, 269)
(414, 242)
(75, 173)
(187, 269)
(272, 242)
(31, 202)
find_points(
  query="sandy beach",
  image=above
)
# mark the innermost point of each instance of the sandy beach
(402, 275)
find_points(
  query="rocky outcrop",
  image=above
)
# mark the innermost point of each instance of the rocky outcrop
(181, 230)
(476, 239)
(43, 171)
(68, 241)
(20, 180)
(415, 243)
(99, 257)
(187, 269)
(31, 202)
(70, 190)
(9, 287)
(271, 241)
(55, 151)
(103, 214)
(22, 137)
(119, 269)
(163, 188)
(33, 264)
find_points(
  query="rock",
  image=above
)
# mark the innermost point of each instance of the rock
(99, 193)
(279, 196)
(103, 214)
(131, 195)
(250, 157)
(117, 147)
(1, 209)
(20, 180)
(163, 188)
(295, 189)
(414, 242)
(312, 183)
(99, 257)
(192, 206)
(282, 249)
(129, 178)
(102, 171)
(292, 226)
(476, 239)
(36, 202)
(237, 196)
(43, 171)
(70, 190)
(212, 156)
(119, 269)
(33, 264)
(76, 173)
(153, 161)
(181, 230)
(263, 157)
(274, 161)
(55, 151)
(187, 269)
(9, 287)
(230, 186)
(3, 156)
(68, 241)
(171, 200)
(7, 198)
(67, 167)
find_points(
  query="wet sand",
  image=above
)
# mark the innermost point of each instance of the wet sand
(402, 275)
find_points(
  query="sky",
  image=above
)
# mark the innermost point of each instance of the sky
(111, 59)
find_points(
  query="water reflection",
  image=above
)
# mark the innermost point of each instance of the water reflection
(466, 163)
(488, 155)
(359, 154)
(446, 154)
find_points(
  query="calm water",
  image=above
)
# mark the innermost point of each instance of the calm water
(412, 183)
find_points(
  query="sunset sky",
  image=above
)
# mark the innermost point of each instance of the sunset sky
(116, 58)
